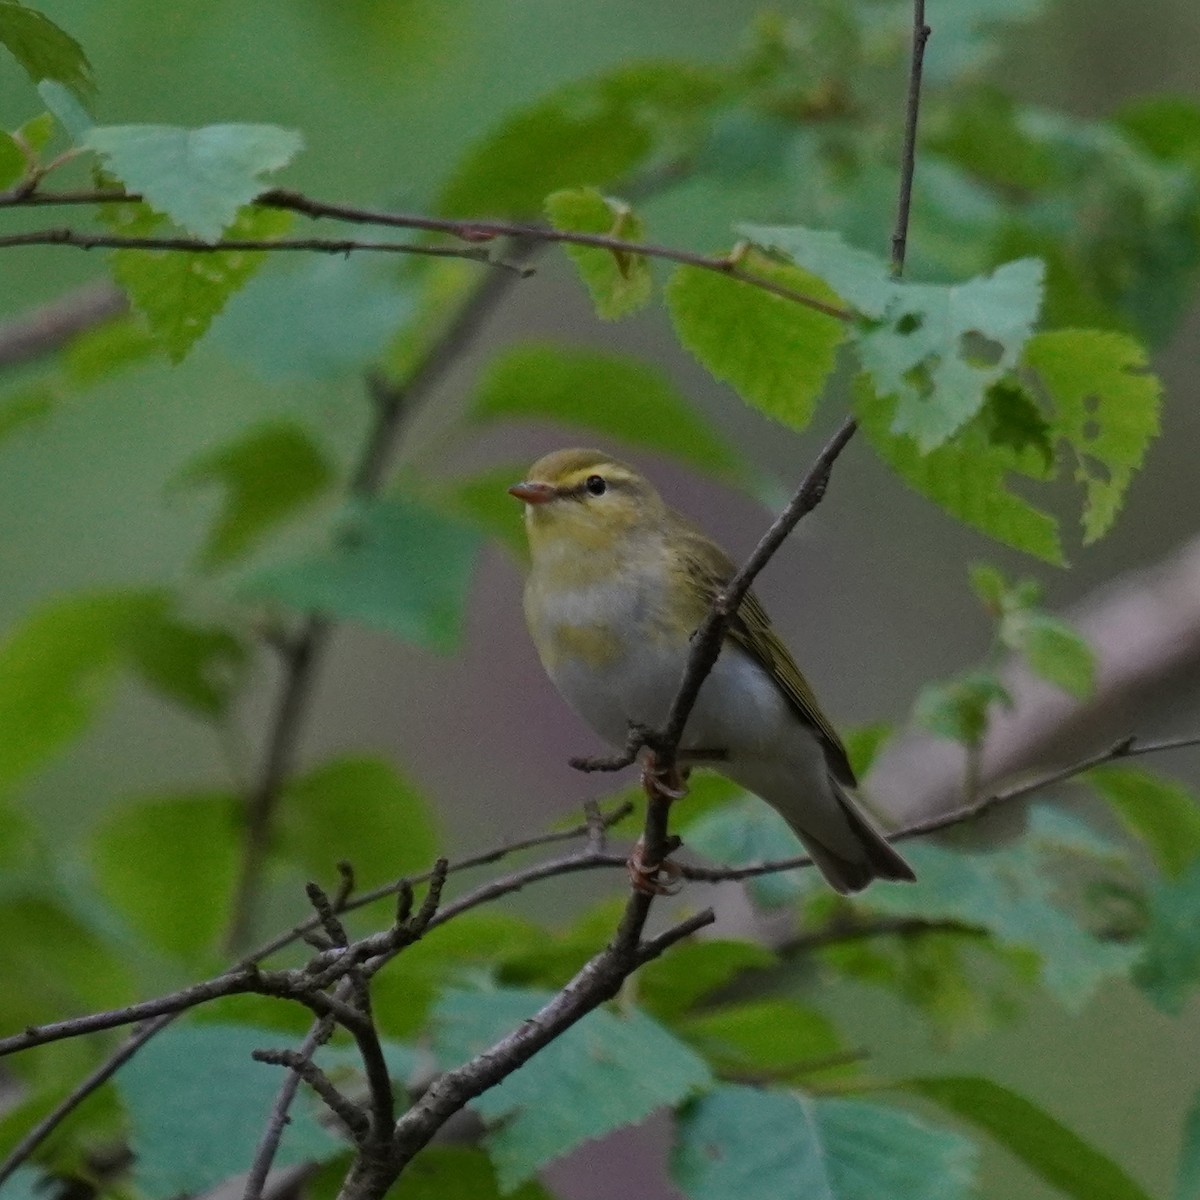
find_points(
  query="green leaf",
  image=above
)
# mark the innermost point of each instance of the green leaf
(1106, 405)
(360, 810)
(398, 565)
(322, 319)
(1047, 1147)
(590, 1081)
(65, 109)
(990, 586)
(1167, 126)
(610, 394)
(1170, 965)
(1162, 812)
(199, 178)
(43, 49)
(84, 974)
(619, 283)
(934, 348)
(777, 353)
(268, 475)
(185, 1142)
(12, 161)
(774, 1145)
(197, 666)
(55, 672)
(671, 985)
(107, 348)
(749, 831)
(483, 500)
(967, 478)
(1058, 654)
(1187, 1180)
(1011, 419)
(775, 1036)
(180, 292)
(960, 710)
(864, 743)
(26, 407)
(1011, 894)
(591, 132)
(168, 865)
(457, 1173)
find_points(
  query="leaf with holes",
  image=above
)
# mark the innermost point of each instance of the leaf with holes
(199, 178)
(1106, 407)
(619, 283)
(588, 1082)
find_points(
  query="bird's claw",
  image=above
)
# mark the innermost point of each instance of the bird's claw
(666, 785)
(644, 877)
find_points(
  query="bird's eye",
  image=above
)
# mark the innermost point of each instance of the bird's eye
(596, 485)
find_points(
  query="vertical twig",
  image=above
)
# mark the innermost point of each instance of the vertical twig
(908, 158)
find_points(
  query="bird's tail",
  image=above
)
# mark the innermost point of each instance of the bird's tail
(859, 854)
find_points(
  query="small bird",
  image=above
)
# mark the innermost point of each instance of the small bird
(619, 582)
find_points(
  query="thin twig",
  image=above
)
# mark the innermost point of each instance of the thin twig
(469, 230)
(50, 327)
(908, 159)
(342, 1107)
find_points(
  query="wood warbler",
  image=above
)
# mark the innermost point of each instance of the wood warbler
(619, 582)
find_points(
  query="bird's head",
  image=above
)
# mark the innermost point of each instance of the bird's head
(585, 501)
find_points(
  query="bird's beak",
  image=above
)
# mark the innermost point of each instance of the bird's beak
(533, 492)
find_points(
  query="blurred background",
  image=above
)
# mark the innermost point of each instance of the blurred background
(871, 593)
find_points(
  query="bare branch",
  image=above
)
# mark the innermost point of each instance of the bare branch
(342, 1107)
(908, 161)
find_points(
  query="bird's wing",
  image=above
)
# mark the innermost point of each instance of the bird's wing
(751, 629)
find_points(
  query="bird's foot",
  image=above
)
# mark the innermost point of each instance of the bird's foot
(666, 785)
(653, 879)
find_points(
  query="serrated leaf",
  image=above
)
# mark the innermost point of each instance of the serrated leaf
(1162, 812)
(960, 709)
(590, 132)
(934, 348)
(588, 1082)
(774, 1036)
(199, 178)
(398, 564)
(1169, 969)
(180, 292)
(1058, 654)
(619, 283)
(774, 1145)
(457, 1173)
(43, 49)
(611, 394)
(967, 479)
(268, 475)
(1009, 893)
(185, 1143)
(1106, 406)
(1048, 1148)
(168, 865)
(361, 810)
(777, 353)
(922, 351)
(326, 318)
(669, 986)
(1011, 419)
